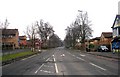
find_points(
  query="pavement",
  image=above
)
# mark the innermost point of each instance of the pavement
(60, 61)
(106, 54)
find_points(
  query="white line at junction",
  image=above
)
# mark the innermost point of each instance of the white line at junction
(39, 68)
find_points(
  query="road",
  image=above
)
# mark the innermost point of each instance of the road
(60, 61)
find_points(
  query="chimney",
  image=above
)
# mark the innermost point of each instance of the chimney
(119, 7)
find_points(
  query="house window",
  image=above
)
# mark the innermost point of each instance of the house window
(115, 32)
(118, 21)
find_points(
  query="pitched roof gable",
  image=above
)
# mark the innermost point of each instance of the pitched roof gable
(117, 16)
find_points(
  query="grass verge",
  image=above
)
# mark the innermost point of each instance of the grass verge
(16, 55)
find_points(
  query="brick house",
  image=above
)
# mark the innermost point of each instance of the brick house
(9, 38)
(96, 41)
(29, 43)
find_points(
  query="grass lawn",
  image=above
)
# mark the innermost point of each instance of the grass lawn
(12, 56)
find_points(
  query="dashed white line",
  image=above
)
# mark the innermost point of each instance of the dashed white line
(82, 55)
(80, 58)
(56, 68)
(77, 57)
(73, 55)
(97, 66)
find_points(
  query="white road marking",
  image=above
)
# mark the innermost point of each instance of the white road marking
(56, 68)
(48, 66)
(47, 59)
(46, 71)
(39, 68)
(80, 58)
(73, 55)
(69, 53)
(63, 55)
(82, 55)
(77, 57)
(53, 55)
(28, 57)
(97, 66)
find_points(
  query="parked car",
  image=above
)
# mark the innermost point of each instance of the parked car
(102, 48)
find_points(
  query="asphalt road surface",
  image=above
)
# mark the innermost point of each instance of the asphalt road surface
(61, 61)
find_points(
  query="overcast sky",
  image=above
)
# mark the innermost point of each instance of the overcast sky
(59, 13)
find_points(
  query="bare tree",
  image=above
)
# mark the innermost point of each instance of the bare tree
(45, 30)
(31, 34)
(80, 29)
(4, 25)
(84, 26)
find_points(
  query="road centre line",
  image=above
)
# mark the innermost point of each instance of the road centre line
(97, 66)
(56, 68)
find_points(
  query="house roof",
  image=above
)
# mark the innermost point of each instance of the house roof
(22, 37)
(9, 31)
(117, 16)
(96, 38)
(107, 34)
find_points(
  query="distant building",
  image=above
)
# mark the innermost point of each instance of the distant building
(105, 38)
(10, 38)
(94, 41)
(29, 43)
(37, 43)
(22, 41)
